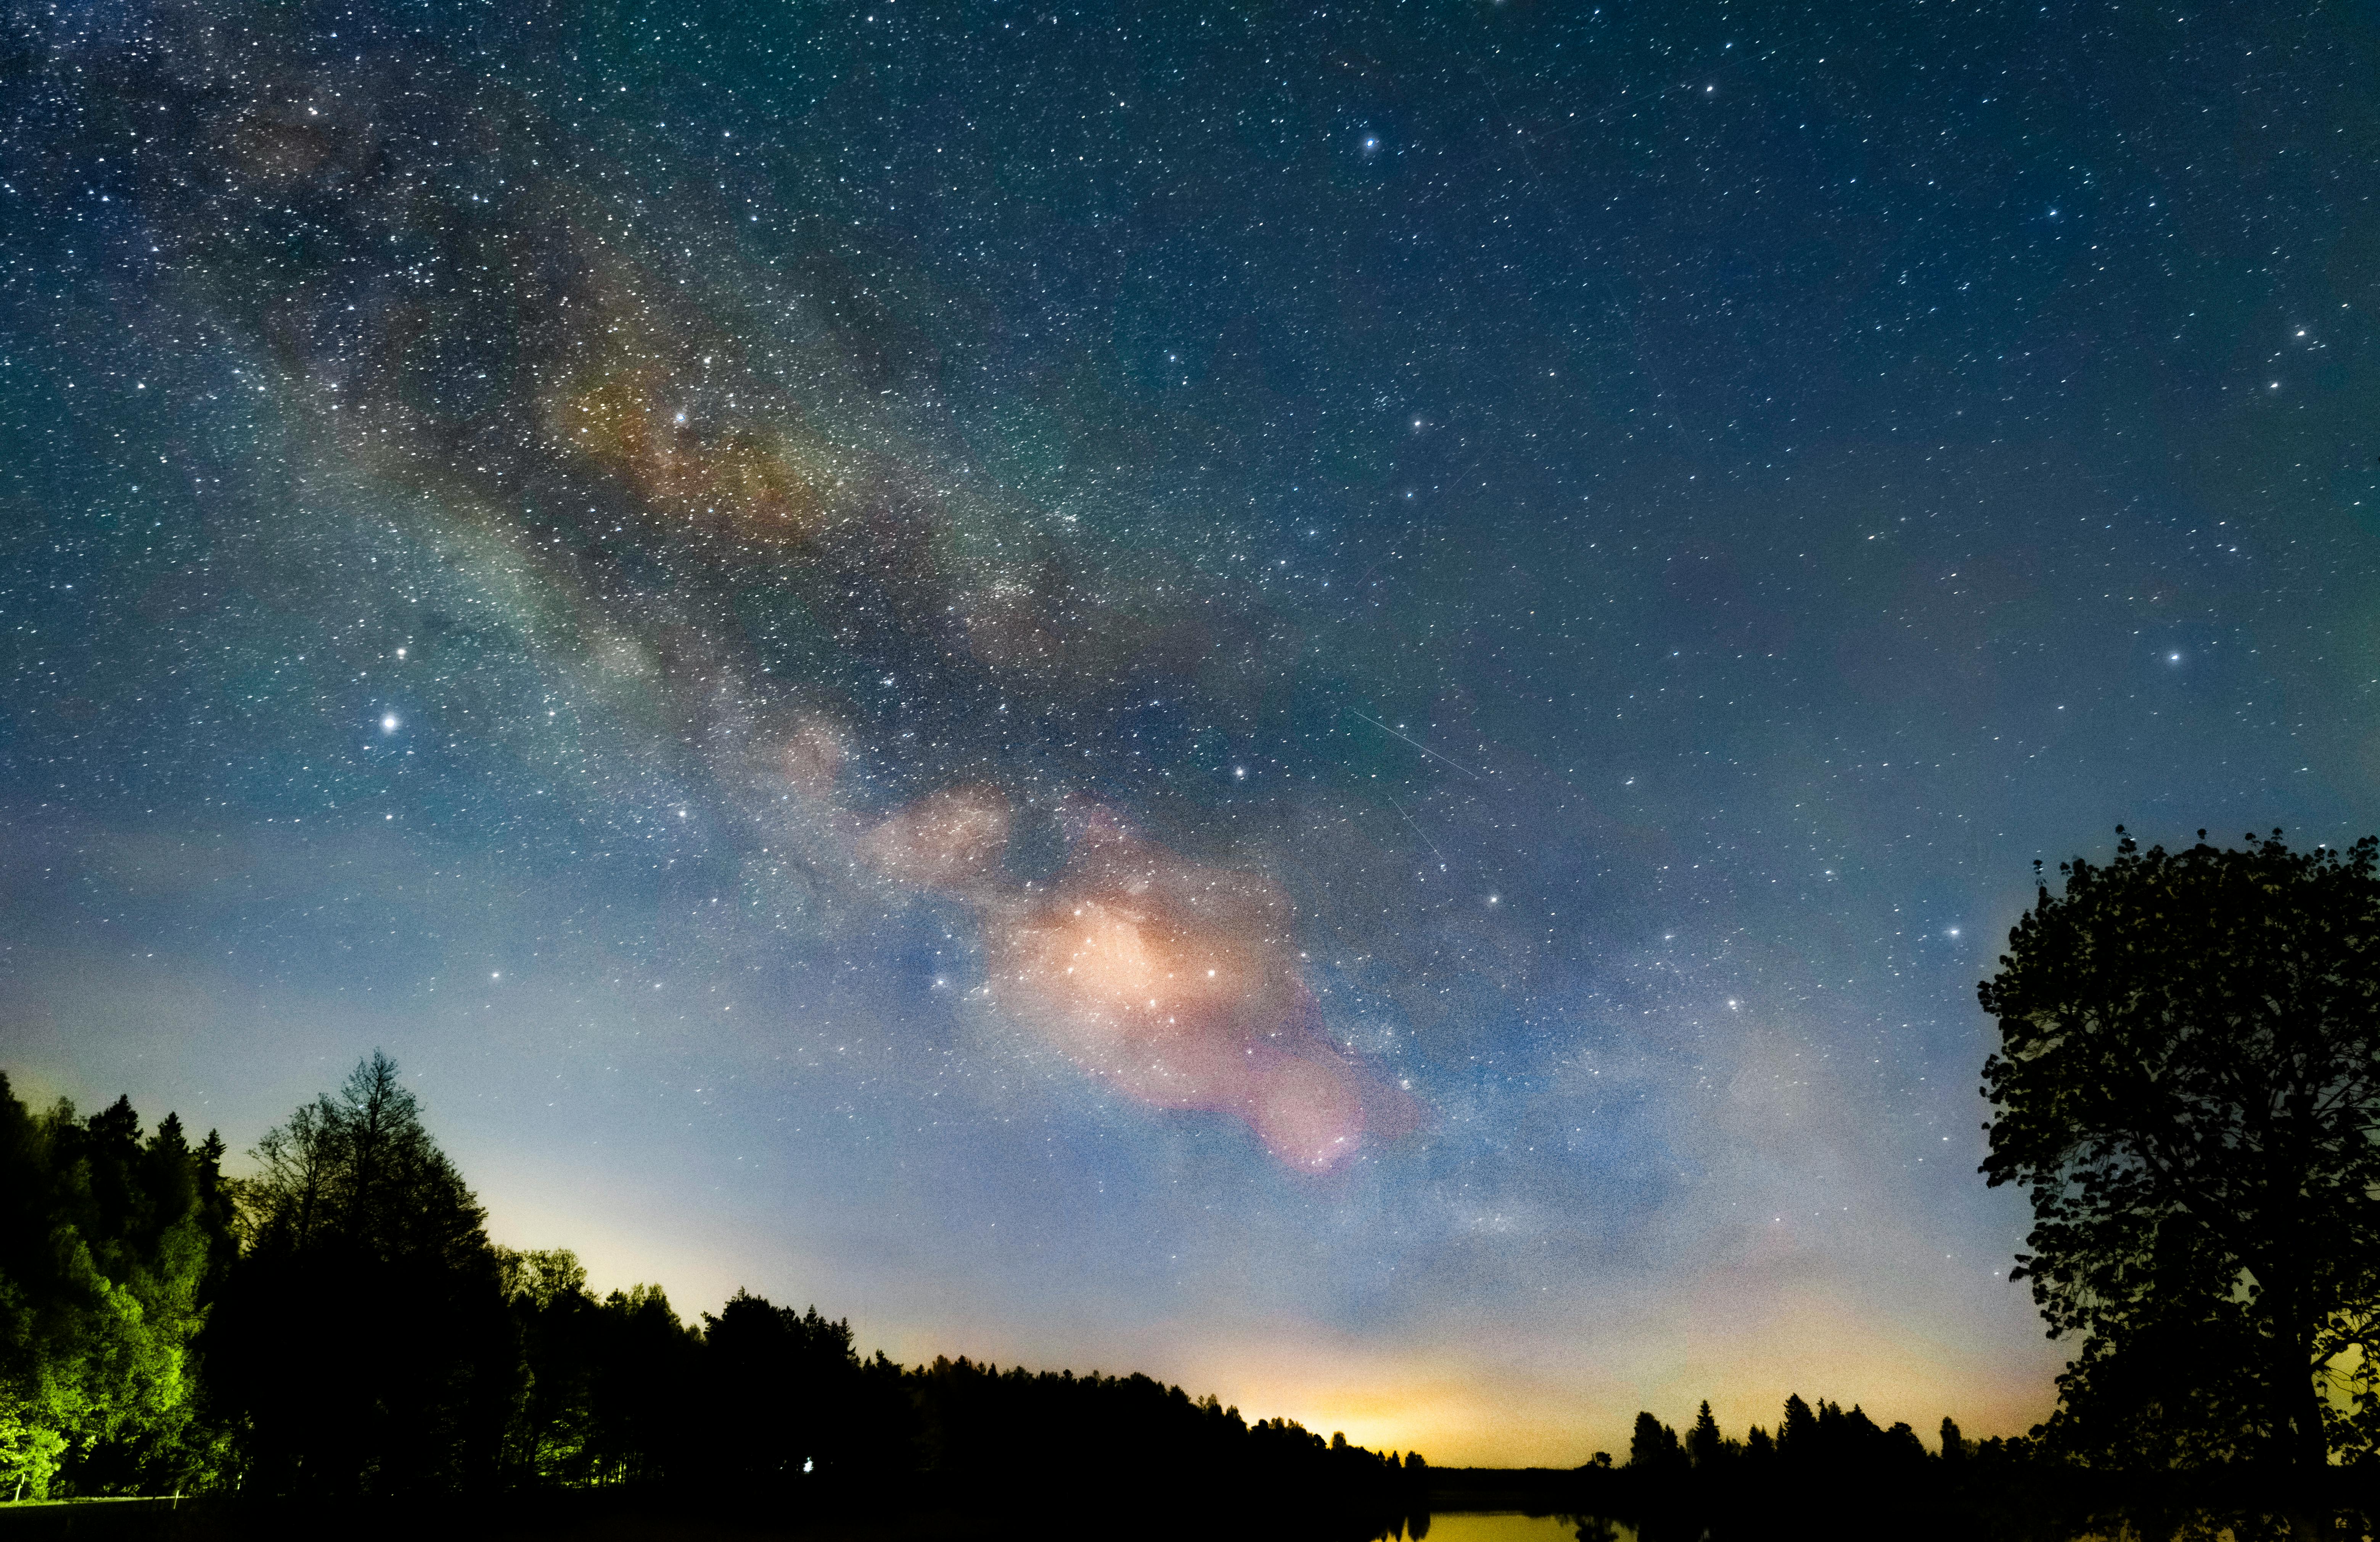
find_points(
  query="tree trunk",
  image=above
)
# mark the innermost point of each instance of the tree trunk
(2302, 1441)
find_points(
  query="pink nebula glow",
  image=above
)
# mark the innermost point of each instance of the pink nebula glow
(1178, 984)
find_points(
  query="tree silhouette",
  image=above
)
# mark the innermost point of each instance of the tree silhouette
(644, 1375)
(550, 1436)
(362, 1341)
(1832, 1471)
(1704, 1446)
(1653, 1448)
(363, 1338)
(2188, 1086)
(1797, 1432)
(780, 1385)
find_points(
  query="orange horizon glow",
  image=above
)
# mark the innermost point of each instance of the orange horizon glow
(1466, 1394)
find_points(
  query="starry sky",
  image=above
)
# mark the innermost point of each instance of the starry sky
(1335, 701)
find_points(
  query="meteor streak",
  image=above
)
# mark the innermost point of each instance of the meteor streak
(1417, 745)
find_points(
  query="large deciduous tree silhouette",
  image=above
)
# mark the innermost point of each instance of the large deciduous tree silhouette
(364, 1340)
(2187, 1087)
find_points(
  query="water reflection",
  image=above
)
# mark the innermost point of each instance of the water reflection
(1787, 1523)
(1513, 1525)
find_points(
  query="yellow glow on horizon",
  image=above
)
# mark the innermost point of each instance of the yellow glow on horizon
(1549, 1391)
(1458, 1408)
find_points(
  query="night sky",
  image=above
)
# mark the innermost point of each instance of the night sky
(1334, 702)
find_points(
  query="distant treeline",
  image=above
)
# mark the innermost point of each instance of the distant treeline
(339, 1325)
(1831, 1472)
(1821, 1462)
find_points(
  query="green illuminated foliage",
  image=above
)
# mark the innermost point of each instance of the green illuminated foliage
(109, 1248)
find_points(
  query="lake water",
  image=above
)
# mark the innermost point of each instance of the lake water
(1511, 1525)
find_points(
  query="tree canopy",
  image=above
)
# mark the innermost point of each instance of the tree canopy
(337, 1326)
(2188, 1089)
(109, 1250)
(1835, 1467)
(364, 1343)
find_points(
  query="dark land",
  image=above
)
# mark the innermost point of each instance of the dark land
(334, 1344)
(336, 1337)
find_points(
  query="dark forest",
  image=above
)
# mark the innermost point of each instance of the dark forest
(337, 1326)
(340, 1327)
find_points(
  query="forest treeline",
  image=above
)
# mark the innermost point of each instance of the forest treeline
(1828, 1471)
(1836, 1466)
(338, 1326)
